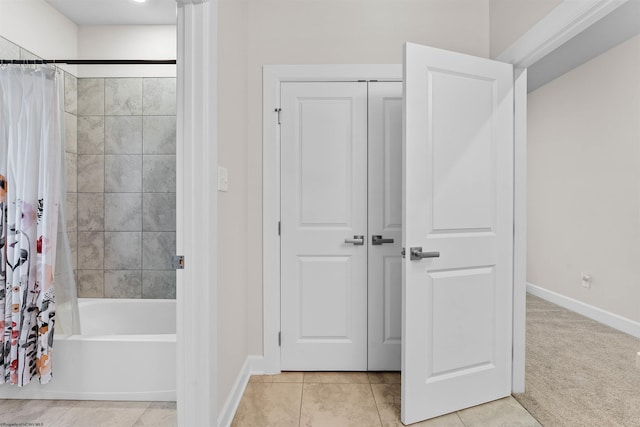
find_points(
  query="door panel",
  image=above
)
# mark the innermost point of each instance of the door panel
(462, 151)
(324, 199)
(326, 161)
(385, 219)
(458, 201)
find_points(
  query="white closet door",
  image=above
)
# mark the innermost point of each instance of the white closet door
(458, 209)
(385, 221)
(323, 206)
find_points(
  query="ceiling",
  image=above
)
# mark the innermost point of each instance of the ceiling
(117, 12)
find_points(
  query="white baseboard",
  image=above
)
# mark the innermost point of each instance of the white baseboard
(620, 323)
(251, 366)
(256, 366)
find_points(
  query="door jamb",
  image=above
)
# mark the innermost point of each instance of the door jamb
(557, 27)
(273, 76)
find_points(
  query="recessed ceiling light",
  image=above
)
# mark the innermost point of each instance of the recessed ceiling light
(140, 1)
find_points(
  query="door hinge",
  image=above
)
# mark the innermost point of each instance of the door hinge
(177, 262)
(279, 339)
(278, 110)
(402, 252)
(279, 228)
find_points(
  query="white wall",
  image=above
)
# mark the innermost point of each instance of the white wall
(510, 19)
(127, 42)
(234, 257)
(338, 32)
(584, 182)
(37, 27)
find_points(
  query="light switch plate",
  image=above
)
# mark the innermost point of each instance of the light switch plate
(223, 179)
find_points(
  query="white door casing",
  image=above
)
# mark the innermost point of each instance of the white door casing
(324, 191)
(273, 77)
(458, 201)
(385, 220)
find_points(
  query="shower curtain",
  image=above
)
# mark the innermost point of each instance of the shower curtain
(30, 189)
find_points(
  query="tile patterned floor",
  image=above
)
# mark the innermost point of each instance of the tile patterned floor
(358, 399)
(311, 399)
(70, 413)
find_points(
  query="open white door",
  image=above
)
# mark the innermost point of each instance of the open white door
(458, 210)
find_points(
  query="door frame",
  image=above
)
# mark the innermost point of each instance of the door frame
(273, 76)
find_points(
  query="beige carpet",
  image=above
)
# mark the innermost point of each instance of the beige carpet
(578, 371)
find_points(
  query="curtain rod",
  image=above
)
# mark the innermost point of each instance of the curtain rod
(89, 61)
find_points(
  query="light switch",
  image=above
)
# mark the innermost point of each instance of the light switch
(223, 179)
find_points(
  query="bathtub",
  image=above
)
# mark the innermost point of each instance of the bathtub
(126, 351)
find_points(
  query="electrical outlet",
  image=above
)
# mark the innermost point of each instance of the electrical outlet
(586, 280)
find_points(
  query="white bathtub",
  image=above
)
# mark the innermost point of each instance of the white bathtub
(126, 351)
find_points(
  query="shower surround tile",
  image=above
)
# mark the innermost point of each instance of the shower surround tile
(90, 284)
(73, 246)
(123, 173)
(71, 167)
(158, 284)
(90, 211)
(157, 250)
(70, 94)
(159, 173)
(122, 250)
(123, 135)
(71, 133)
(71, 211)
(122, 284)
(159, 211)
(123, 97)
(123, 212)
(90, 173)
(159, 97)
(90, 250)
(159, 135)
(91, 97)
(91, 135)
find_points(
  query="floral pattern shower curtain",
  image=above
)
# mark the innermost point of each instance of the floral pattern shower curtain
(30, 168)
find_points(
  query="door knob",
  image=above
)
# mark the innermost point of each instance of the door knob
(357, 240)
(378, 240)
(417, 254)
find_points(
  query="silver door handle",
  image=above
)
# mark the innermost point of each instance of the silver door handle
(417, 254)
(357, 240)
(378, 240)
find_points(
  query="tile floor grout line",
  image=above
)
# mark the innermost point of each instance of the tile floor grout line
(460, 418)
(142, 414)
(301, 399)
(76, 402)
(375, 401)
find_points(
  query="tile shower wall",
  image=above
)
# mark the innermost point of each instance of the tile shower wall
(126, 215)
(71, 157)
